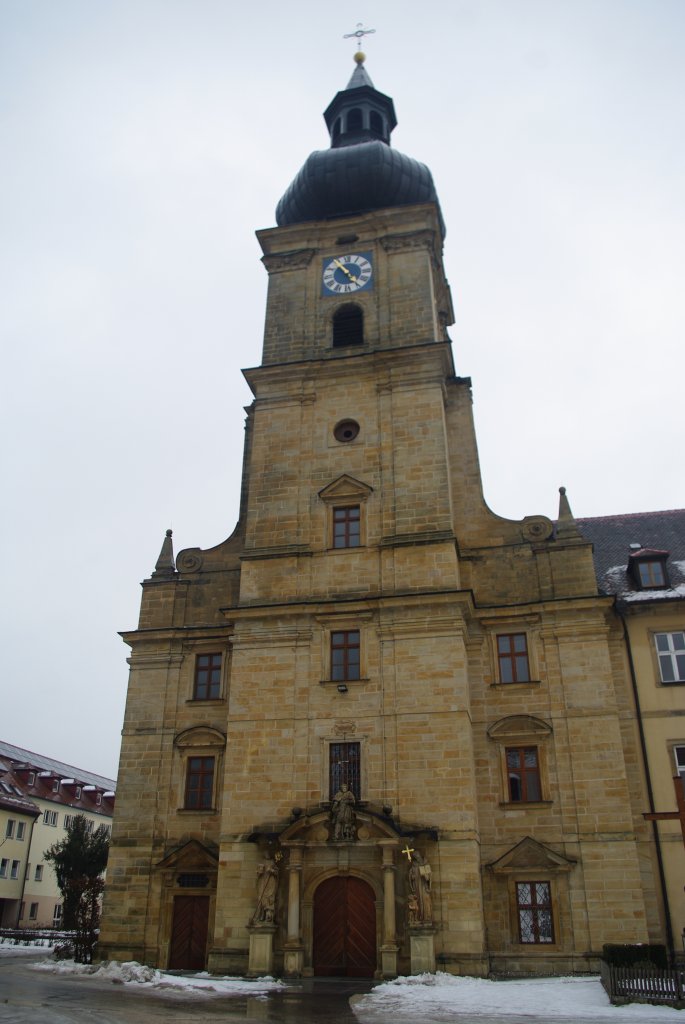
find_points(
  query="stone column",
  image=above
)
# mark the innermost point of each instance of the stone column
(389, 947)
(293, 951)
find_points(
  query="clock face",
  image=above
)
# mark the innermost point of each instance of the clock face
(343, 275)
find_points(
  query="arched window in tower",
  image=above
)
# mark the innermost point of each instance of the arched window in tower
(376, 123)
(336, 128)
(348, 326)
(354, 120)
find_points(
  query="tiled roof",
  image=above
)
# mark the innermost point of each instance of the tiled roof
(66, 771)
(612, 536)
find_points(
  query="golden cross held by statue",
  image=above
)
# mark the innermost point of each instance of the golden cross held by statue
(678, 815)
(408, 850)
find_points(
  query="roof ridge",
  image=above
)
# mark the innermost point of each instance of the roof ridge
(631, 515)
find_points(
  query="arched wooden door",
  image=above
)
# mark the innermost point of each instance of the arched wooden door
(189, 933)
(344, 937)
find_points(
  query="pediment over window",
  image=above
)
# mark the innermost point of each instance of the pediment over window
(530, 855)
(345, 489)
(519, 727)
(200, 736)
(190, 856)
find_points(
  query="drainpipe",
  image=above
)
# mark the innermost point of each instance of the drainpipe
(650, 791)
(26, 872)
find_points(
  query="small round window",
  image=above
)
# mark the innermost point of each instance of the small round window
(346, 430)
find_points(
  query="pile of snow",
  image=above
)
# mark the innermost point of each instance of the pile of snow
(132, 973)
(425, 995)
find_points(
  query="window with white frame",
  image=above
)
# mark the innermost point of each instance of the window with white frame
(14, 870)
(9, 831)
(39, 873)
(670, 650)
(21, 829)
(33, 912)
(57, 915)
(69, 820)
(50, 818)
(679, 756)
(4, 867)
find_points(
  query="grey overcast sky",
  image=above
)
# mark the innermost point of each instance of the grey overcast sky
(144, 142)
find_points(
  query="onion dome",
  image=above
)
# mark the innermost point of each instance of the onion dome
(360, 172)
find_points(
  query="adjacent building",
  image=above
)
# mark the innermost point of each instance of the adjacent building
(379, 729)
(640, 561)
(38, 797)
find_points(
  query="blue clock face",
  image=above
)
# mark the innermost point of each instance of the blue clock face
(343, 275)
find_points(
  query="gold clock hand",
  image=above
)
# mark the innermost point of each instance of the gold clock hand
(345, 270)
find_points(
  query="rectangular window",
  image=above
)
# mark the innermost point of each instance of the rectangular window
(345, 766)
(55, 786)
(57, 916)
(523, 772)
(68, 820)
(512, 653)
(345, 655)
(670, 649)
(32, 779)
(4, 867)
(679, 755)
(90, 825)
(14, 870)
(9, 831)
(33, 912)
(346, 523)
(199, 783)
(39, 873)
(534, 906)
(50, 818)
(207, 677)
(21, 829)
(651, 574)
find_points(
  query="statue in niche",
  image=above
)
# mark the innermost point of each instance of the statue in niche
(419, 904)
(342, 813)
(267, 887)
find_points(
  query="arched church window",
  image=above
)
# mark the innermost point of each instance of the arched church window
(348, 326)
(354, 120)
(376, 123)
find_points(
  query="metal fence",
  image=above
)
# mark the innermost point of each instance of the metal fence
(644, 985)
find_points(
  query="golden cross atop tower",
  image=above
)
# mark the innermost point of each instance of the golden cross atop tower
(359, 34)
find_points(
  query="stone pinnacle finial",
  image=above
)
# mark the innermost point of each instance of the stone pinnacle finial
(566, 524)
(165, 565)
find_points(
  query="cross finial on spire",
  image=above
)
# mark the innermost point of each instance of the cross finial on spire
(359, 35)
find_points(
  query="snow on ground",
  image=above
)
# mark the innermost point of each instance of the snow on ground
(133, 973)
(549, 999)
(7, 947)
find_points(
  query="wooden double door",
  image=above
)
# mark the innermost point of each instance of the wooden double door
(344, 937)
(188, 950)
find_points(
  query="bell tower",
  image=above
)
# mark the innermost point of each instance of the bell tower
(361, 732)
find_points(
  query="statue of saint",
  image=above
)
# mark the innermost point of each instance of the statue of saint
(342, 813)
(419, 902)
(267, 886)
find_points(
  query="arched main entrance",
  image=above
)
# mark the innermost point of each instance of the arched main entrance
(344, 933)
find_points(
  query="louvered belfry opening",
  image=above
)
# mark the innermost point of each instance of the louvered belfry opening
(348, 326)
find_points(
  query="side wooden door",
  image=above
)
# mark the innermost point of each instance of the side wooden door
(344, 936)
(189, 933)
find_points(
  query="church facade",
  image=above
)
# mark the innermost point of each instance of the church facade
(379, 729)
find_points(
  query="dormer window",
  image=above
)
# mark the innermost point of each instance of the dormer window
(648, 568)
